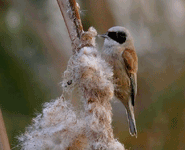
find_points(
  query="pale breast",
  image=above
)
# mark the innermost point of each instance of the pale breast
(121, 79)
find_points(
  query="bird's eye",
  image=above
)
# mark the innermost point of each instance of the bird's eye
(119, 37)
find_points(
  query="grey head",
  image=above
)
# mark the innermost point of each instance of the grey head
(117, 36)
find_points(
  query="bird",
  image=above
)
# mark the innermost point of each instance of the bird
(119, 52)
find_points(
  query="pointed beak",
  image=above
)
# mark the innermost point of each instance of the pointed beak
(104, 35)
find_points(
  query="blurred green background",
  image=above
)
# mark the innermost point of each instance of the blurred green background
(35, 48)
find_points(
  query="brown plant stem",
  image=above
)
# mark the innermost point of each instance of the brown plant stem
(4, 143)
(70, 13)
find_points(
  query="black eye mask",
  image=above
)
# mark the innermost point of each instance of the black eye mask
(119, 37)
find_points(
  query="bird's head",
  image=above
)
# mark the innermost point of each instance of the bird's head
(117, 36)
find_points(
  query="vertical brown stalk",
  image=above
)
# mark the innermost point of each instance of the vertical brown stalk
(70, 13)
(4, 143)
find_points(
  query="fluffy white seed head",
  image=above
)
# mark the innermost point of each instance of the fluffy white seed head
(59, 127)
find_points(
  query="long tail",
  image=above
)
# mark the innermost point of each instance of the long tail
(131, 120)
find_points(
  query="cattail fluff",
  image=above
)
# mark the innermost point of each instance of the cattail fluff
(59, 127)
